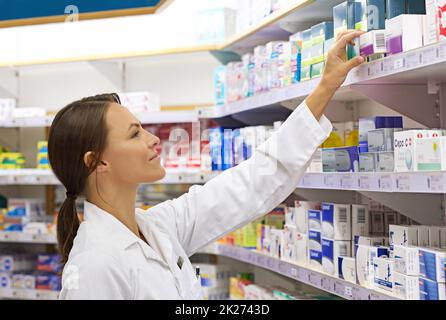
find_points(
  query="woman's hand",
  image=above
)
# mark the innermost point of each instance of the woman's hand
(336, 70)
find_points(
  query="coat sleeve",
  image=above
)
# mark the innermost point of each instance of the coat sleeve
(248, 191)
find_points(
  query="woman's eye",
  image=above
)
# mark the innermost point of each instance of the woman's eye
(136, 134)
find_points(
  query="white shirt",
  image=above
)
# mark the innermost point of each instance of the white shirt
(108, 261)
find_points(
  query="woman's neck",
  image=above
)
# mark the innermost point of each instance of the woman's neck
(119, 202)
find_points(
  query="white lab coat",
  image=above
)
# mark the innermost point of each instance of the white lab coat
(108, 261)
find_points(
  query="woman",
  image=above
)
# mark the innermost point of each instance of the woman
(98, 149)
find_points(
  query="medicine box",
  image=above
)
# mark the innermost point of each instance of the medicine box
(345, 16)
(405, 146)
(336, 221)
(404, 33)
(321, 32)
(381, 140)
(415, 7)
(315, 259)
(432, 264)
(431, 290)
(372, 123)
(403, 236)
(406, 287)
(301, 214)
(385, 162)
(368, 241)
(49, 263)
(317, 69)
(373, 43)
(345, 159)
(360, 220)
(367, 161)
(301, 244)
(431, 23)
(406, 260)
(423, 236)
(317, 53)
(314, 240)
(314, 220)
(331, 250)
(347, 269)
(383, 273)
(395, 8)
(364, 263)
(372, 15)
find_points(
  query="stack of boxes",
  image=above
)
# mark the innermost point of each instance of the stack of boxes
(42, 155)
(22, 212)
(214, 281)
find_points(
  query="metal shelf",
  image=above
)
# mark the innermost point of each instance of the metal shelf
(146, 118)
(303, 274)
(21, 237)
(28, 294)
(46, 177)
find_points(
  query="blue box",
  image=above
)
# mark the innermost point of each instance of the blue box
(431, 290)
(395, 8)
(432, 264)
(315, 220)
(315, 257)
(373, 123)
(321, 32)
(49, 263)
(227, 149)
(216, 148)
(48, 281)
(416, 7)
(344, 159)
(371, 16)
(238, 149)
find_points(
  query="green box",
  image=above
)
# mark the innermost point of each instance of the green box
(305, 73)
(321, 32)
(317, 70)
(317, 53)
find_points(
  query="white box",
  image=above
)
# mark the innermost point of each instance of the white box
(315, 240)
(336, 221)
(364, 263)
(443, 237)
(331, 251)
(430, 154)
(404, 33)
(360, 220)
(431, 23)
(347, 269)
(367, 241)
(301, 214)
(406, 260)
(431, 290)
(432, 264)
(377, 222)
(389, 218)
(140, 102)
(434, 236)
(373, 42)
(383, 273)
(314, 219)
(406, 287)
(385, 162)
(301, 244)
(406, 148)
(403, 236)
(315, 259)
(423, 236)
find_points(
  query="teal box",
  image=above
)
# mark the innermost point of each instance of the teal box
(305, 73)
(321, 32)
(317, 70)
(395, 8)
(306, 48)
(416, 7)
(317, 53)
(345, 16)
(371, 15)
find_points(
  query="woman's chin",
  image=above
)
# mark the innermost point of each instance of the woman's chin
(155, 176)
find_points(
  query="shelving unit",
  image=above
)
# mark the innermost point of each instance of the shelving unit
(28, 294)
(302, 274)
(21, 237)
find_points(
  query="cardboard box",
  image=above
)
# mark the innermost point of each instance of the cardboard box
(383, 273)
(385, 162)
(403, 236)
(367, 161)
(331, 251)
(372, 15)
(432, 264)
(364, 263)
(404, 33)
(395, 8)
(336, 221)
(406, 260)
(315, 240)
(406, 287)
(301, 244)
(344, 159)
(315, 220)
(431, 290)
(347, 269)
(360, 220)
(381, 140)
(373, 43)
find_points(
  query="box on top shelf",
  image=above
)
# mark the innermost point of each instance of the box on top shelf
(314, 219)
(296, 56)
(372, 15)
(395, 8)
(344, 159)
(220, 85)
(404, 33)
(345, 16)
(415, 7)
(373, 43)
(373, 123)
(321, 32)
(432, 264)
(140, 102)
(434, 22)
(336, 221)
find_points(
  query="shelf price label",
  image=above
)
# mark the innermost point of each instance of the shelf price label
(385, 182)
(348, 291)
(429, 55)
(327, 284)
(398, 63)
(442, 51)
(339, 288)
(294, 273)
(315, 279)
(261, 260)
(435, 182)
(364, 182)
(329, 181)
(403, 182)
(414, 60)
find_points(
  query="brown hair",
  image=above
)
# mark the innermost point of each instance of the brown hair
(78, 128)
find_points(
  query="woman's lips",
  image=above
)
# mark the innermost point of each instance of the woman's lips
(156, 156)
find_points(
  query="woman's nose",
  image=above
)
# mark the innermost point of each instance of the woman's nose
(153, 140)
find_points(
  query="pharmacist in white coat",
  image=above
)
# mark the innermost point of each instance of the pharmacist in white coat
(98, 149)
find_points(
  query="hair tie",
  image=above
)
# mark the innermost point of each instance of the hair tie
(71, 196)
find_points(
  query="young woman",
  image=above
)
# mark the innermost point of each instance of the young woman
(97, 148)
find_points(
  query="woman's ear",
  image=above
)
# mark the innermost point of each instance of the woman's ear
(89, 160)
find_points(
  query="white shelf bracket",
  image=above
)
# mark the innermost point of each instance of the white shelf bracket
(411, 100)
(9, 83)
(113, 71)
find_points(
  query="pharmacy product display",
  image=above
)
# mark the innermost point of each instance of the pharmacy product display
(369, 245)
(214, 280)
(243, 287)
(391, 26)
(23, 271)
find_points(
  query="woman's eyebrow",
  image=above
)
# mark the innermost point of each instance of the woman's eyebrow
(134, 124)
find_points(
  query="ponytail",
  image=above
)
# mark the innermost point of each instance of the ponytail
(78, 128)
(67, 226)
